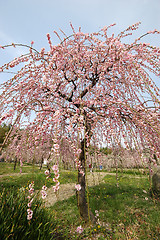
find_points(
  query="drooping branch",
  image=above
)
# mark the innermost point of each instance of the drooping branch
(94, 84)
(17, 118)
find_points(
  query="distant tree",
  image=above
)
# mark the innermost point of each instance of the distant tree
(106, 150)
(4, 129)
(89, 88)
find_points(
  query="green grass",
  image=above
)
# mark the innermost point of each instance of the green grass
(133, 171)
(128, 210)
(13, 205)
(15, 226)
(31, 174)
(8, 168)
(122, 171)
(38, 178)
(125, 212)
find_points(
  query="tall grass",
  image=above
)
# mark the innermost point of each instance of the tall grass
(14, 224)
(13, 206)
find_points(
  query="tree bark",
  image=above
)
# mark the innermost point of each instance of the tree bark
(15, 163)
(41, 163)
(85, 212)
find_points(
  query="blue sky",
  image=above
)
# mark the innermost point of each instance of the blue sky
(22, 21)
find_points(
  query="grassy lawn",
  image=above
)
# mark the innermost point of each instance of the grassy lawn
(129, 210)
(38, 178)
(125, 212)
(7, 168)
(133, 171)
(30, 173)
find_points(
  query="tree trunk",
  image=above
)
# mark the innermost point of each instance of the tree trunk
(15, 163)
(41, 163)
(85, 212)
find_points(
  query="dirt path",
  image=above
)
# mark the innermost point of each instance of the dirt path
(68, 190)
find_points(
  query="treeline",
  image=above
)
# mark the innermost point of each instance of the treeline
(3, 131)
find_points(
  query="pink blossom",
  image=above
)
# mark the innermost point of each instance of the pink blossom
(78, 187)
(46, 172)
(79, 229)
(55, 168)
(101, 105)
(48, 36)
(56, 146)
(44, 188)
(44, 194)
(56, 188)
(56, 177)
(31, 185)
(29, 211)
(82, 172)
(29, 204)
(31, 190)
(29, 216)
(79, 151)
(97, 214)
(55, 180)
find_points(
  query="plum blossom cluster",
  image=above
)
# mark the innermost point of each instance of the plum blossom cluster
(92, 87)
(78, 187)
(79, 167)
(56, 147)
(78, 163)
(56, 177)
(29, 214)
(102, 84)
(55, 180)
(97, 217)
(79, 229)
(30, 200)
(47, 173)
(43, 192)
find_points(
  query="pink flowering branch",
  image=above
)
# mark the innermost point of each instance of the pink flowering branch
(43, 192)
(56, 177)
(19, 115)
(90, 87)
(30, 200)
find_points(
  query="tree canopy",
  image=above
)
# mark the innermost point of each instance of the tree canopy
(89, 88)
(93, 76)
(3, 132)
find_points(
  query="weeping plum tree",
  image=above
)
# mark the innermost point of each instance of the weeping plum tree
(89, 87)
